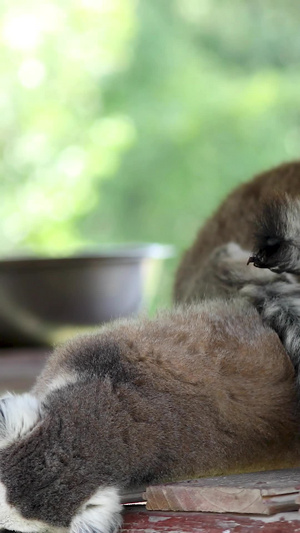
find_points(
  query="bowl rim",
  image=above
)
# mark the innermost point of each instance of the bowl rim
(114, 254)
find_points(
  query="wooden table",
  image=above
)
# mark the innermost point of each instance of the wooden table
(138, 521)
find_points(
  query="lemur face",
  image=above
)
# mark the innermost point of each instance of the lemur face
(20, 419)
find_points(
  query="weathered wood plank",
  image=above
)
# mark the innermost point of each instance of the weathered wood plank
(258, 493)
(164, 522)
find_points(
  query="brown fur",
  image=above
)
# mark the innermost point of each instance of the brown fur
(199, 273)
(203, 389)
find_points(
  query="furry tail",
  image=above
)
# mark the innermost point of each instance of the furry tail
(277, 237)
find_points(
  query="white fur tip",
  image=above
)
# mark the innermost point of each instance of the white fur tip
(100, 514)
(18, 415)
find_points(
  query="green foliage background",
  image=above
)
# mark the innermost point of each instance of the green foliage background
(129, 120)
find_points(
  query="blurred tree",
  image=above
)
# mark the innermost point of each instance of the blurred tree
(57, 140)
(204, 120)
(130, 120)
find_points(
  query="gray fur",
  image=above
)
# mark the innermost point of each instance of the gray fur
(277, 238)
(279, 306)
(277, 247)
(202, 389)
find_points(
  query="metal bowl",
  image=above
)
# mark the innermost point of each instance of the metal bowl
(45, 299)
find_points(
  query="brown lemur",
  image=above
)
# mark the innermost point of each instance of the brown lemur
(261, 215)
(204, 388)
(215, 264)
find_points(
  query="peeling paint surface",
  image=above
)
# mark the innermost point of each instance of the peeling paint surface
(138, 521)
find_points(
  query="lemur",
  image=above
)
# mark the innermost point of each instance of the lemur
(202, 389)
(205, 388)
(215, 264)
(261, 215)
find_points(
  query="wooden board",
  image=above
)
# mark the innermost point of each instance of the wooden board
(139, 521)
(263, 493)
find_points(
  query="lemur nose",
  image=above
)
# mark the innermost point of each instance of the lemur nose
(258, 260)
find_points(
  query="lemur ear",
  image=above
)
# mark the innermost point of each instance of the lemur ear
(100, 514)
(18, 415)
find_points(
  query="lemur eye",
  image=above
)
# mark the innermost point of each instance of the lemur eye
(272, 242)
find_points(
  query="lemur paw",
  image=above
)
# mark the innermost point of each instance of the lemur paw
(231, 251)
